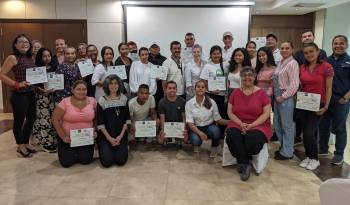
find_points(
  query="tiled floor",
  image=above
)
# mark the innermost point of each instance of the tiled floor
(151, 176)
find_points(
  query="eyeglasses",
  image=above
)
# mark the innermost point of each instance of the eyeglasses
(23, 42)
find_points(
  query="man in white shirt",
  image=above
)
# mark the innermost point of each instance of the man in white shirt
(271, 42)
(227, 50)
(186, 53)
(175, 68)
(142, 108)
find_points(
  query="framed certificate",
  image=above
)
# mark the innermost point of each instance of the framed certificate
(118, 70)
(217, 83)
(82, 137)
(174, 129)
(308, 101)
(145, 129)
(158, 71)
(36, 75)
(86, 67)
(55, 81)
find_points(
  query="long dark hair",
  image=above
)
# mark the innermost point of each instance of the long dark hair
(103, 51)
(16, 52)
(39, 59)
(246, 60)
(314, 45)
(108, 80)
(218, 48)
(207, 102)
(270, 59)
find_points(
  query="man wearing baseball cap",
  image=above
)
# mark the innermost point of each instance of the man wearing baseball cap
(227, 50)
(157, 59)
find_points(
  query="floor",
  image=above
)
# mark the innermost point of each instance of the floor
(153, 175)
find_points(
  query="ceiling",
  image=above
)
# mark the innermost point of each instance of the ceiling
(292, 7)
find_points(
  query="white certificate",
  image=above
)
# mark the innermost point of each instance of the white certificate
(308, 101)
(145, 129)
(86, 67)
(81, 137)
(118, 70)
(54, 81)
(174, 129)
(217, 83)
(36, 75)
(158, 71)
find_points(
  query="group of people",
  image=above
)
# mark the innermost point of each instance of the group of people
(256, 82)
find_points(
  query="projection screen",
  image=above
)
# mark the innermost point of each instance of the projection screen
(145, 25)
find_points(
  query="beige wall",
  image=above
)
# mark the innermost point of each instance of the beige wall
(104, 17)
(319, 26)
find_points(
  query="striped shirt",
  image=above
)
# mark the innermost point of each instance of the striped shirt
(288, 76)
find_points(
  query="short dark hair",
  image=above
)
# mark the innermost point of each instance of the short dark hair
(250, 42)
(307, 30)
(189, 34)
(289, 42)
(131, 43)
(143, 86)
(341, 36)
(174, 43)
(272, 36)
(108, 80)
(16, 52)
(170, 82)
(122, 44)
(78, 82)
(143, 49)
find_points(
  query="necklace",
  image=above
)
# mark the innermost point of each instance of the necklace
(117, 111)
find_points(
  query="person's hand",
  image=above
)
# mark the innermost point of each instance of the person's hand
(66, 139)
(243, 127)
(203, 136)
(161, 137)
(95, 135)
(185, 134)
(279, 99)
(132, 130)
(248, 127)
(114, 141)
(23, 84)
(49, 91)
(190, 90)
(321, 111)
(343, 100)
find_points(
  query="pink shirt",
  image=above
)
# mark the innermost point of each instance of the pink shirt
(264, 79)
(288, 76)
(249, 108)
(74, 118)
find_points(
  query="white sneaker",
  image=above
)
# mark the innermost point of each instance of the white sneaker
(213, 152)
(196, 149)
(313, 164)
(304, 163)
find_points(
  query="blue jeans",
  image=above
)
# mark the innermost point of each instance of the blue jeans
(284, 125)
(212, 131)
(334, 120)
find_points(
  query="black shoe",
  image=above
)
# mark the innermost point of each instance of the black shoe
(298, 141)
(274, 137)
(279, 156)
(245, 172)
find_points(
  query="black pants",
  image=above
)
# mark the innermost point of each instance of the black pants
(159, 94)
(110, 155)
(298, 124)
(309, 122)
(68, 156)
(24, 114)
(222, 107)
(243, 146)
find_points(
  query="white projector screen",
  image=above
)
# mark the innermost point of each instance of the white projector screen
(165, 24)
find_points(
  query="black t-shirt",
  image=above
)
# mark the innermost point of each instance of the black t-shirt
(172, 110)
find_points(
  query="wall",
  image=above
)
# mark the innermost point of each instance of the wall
(285, 27)
(104, 17)
(319, 26)
(336, 22)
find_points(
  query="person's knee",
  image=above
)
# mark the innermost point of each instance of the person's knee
(106, 162)
(86, 158)
(121, 160)
(66, 162)
(215, 132)
(195, 140)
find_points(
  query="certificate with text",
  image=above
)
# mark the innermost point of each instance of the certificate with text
(55, 81)
(174, 129)
(86, 67)
(36, 75)
(308, 101)
(158, 71)
(82, 137)
(145, 129)
(118, 70)
(217, 83)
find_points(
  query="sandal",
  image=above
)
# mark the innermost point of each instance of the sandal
(23, 154)
(31, 150)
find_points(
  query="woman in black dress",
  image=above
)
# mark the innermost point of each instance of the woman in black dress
(112, 115)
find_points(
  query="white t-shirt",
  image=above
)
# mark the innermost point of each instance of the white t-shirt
(277, 56)
(227, 54)
(140, 112)
(234, 80)
(213, 70)
(186, 55)
(175, 74)
(98, 75)
(141, 74)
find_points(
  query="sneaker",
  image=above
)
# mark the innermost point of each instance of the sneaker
(246, 169)
(304, 163)
(213, 152)
(313, 164)
(337, 160)
(196, 149)
(50, 149)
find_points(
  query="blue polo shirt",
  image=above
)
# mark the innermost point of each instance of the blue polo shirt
(341, 80)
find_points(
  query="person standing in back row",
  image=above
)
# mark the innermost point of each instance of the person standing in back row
(272, 43)
(186, 53)
(227, 50)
